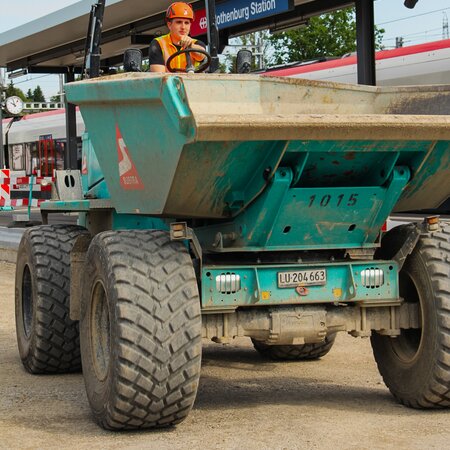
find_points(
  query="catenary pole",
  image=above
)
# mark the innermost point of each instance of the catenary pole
(365, 42)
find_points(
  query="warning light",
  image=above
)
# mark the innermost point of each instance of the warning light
(178, 230)
(432, 223)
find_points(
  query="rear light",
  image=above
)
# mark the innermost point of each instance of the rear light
(228, 283)
(372, 278)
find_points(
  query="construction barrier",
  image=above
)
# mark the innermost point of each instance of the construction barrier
(15, 189)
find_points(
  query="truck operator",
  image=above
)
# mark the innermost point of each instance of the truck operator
(179, 18)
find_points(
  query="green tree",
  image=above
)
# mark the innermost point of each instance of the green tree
(57, 98)
(38, 95)
(12, 90)
(332, 34)
(29, 95)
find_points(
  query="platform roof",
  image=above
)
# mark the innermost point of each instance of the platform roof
(56, 41)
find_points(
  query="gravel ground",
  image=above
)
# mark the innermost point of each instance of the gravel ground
(243, 402)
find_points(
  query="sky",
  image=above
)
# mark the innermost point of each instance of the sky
(418, 25)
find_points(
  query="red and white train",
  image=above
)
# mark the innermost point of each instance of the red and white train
(414, 65)
(37, 142)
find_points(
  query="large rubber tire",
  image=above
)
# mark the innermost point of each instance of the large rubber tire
(295, 352)
(140, 330)
(48, 340)
(416, 365)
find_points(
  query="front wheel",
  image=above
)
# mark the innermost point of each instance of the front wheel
(140, 330)
(416, 365)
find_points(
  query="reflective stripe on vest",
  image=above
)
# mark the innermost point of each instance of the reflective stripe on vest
(168, 49)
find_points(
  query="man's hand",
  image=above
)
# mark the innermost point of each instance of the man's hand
(186, 42)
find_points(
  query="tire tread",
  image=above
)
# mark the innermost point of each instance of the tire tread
(295, 352)
(156, 386)
(57, 345)
(434, 249)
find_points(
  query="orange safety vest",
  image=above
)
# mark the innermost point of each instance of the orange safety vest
(168, 48)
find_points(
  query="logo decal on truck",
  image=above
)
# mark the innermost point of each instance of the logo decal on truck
(129, 177)
(84, 169)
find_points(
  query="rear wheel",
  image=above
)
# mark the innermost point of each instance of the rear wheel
(295, 352)
(48, 340)
(416, 365)
(140, 330)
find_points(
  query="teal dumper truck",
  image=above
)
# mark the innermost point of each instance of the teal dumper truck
(221, 206)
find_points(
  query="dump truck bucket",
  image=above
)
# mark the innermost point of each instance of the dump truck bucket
(207, 145)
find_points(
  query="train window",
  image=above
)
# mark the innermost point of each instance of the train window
(32, 155)
(60, 147)
(46, 157)
(17, 157)
(28, 167)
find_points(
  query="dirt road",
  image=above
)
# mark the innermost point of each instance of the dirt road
(243, 402)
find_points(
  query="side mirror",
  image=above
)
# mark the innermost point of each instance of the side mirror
(132, 60)
(244, 61)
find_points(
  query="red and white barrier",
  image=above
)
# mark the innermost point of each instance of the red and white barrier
(25, 180)
(21, 202)
(15, 188)
(4, 191)
(34, 187)
(8, 173)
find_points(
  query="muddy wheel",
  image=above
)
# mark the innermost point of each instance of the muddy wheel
(295, 352)
(140, 330)
(48, 340)
(416, 365)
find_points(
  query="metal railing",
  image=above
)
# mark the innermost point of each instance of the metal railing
(39, 106)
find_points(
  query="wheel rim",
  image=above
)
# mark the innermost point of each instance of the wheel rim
(407, 346)
(27, 301)
(100, 331)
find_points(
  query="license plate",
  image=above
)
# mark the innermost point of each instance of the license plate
(315, 277)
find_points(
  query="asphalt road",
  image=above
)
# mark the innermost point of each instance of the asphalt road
(7, 219)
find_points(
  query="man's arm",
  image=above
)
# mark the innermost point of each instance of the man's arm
(156, 59)
(157, 68)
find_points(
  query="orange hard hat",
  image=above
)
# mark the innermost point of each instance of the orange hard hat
(180, 10)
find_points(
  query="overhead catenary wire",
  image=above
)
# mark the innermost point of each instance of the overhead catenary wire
(32, 79)
(423, 32)
(415, 15)
(418, 34)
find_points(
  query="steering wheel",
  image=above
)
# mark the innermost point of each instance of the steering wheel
(190, 68)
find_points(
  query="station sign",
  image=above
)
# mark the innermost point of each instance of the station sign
(237, 12)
